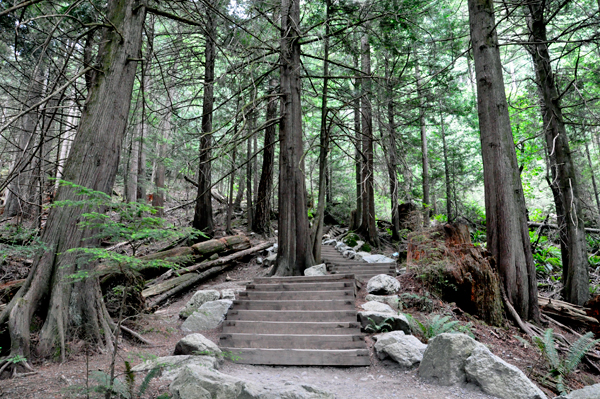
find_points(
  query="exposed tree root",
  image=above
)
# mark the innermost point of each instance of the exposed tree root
(10, 364)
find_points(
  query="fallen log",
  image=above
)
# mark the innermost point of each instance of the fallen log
(568, 313)
(157, 289)
(217, 262)
(555, 227)
(197, 279)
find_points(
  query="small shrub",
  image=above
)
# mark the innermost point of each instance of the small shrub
(437, 325)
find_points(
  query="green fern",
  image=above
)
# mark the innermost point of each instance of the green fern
(436, 325)
(560, 368)
(384, 326)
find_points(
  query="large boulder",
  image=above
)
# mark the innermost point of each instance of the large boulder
(382, 284)
(317, 270)
(378, 259)
(378, 307)
(498, 378)
(201, 383)
(197, 300)
(170, 366)
(208, 316)
(396, 321)
(445, 357)
(589, 392)
(392, 300)
(406, 350)
(196, 344)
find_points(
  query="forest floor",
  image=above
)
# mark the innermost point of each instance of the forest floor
(383, 379)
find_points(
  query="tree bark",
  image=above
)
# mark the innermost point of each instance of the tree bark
(293, 252)
(392, 158)
(446, 168)
(357, 219)
(368, 227)
(508, 236)
(565, 184)
(203, 213)
(76, 308)
(262, 217)
(424, 148)
(323, 144)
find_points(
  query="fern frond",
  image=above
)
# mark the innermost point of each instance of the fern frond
(549, 349)
(146, 382)
(577, 351)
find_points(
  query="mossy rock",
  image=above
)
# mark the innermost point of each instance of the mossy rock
(366, 248)
(351, 240)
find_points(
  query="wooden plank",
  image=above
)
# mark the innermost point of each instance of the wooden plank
(307, 279)
(339, 304)
(300, 357)
(293, 315)
(298, 295)
(285, 327)
(292, 341)
(320, 286)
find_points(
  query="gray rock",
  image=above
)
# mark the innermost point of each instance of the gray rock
(378, 259)
(317, 270)
(445, 357)
(358, 245)
(406, 350)
(498, 378)
(259, 260)
(196, 344)
(377, 307)
(171, 366)
(229, 294)
(383, 284)
(201, 383)
(329, 242)
(339, 245)
(197, 300)
(398, 322)
(589, 392)
(392, 300)
(209, 316)
(349, 253)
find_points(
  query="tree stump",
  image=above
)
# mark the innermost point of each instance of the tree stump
(459, 272)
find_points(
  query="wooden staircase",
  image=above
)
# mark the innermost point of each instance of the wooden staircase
(296, 321)
(337, 264)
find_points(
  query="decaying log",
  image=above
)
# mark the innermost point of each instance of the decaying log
(213, 263)
(157, 289)
(567, 313)
(221, 245)
(555, 227)
(197, 279)
(457, 270)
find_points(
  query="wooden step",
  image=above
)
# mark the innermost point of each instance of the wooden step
(320, 286)
(361, 268)
(302, 279)
(299, 357)
(335, 304)
(293, 315)
(286, 327)
(292, 341)
(298, 295)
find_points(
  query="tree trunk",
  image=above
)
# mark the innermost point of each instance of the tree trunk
(158, 198)
(293, 253)
(508, 236)
(392, 159)
(203, 214)
(249, 205)
(368, 227)
(262, 216)
(323, 144)
(446, 167)
(564, 177)
(424, 148)
(75, 308)
(595, 187)
(357, 219)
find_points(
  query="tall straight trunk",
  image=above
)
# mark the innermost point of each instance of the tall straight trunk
(357, 153)
(392, 159)
(158, 197)
(424, 148)
(65, 144)
(323, 144)
(507, 232)
(294, 253)
(368, 227)
(446, 167)
(564, 175)
(591, 166)
(262, 216)
(249, 205)
(203, 213)
(75, 309)
(230, 201)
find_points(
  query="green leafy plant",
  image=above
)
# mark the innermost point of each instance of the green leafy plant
(384, 326)
(437, 325)
(561, 366)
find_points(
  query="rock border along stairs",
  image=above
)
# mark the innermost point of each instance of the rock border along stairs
(363, 271)
(300, 321)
